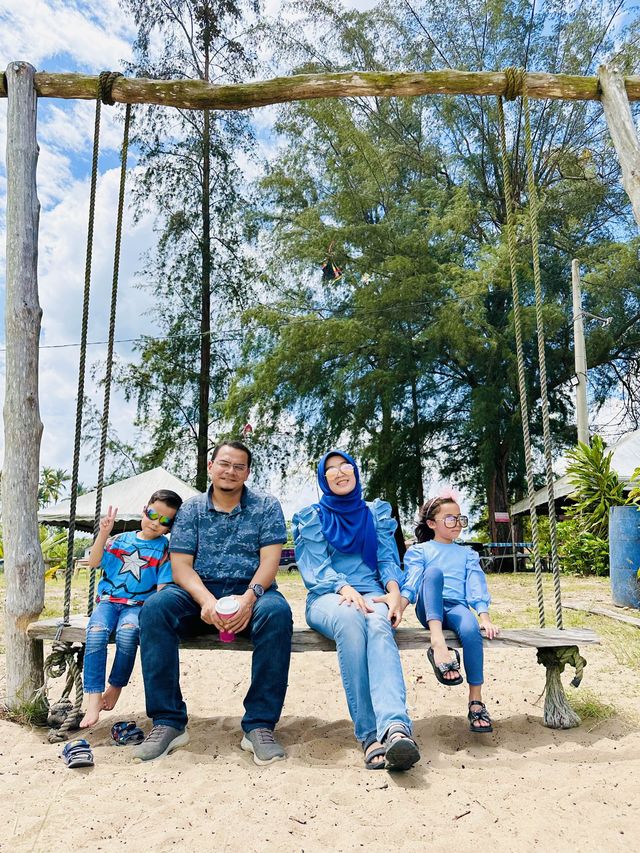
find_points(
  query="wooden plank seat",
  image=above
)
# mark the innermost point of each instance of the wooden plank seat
(554, 647)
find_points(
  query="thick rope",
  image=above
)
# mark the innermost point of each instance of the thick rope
(515, 84)
(522, 386)
(546, 428)
(112, 329)
(82, 365)
(64, 715)
(105, 82)
(561, 657)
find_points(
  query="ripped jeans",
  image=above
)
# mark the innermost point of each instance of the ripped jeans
(109, 616)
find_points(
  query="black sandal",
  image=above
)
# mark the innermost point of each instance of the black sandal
(482, 714)
(402, 752)
(441, 668)
(371, 754)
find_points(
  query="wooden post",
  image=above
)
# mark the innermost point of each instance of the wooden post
(617, 112)
(24, 569)
(579, 355)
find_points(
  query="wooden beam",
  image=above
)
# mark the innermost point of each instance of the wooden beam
(24, 570)
(603, 611)
(307, 640)
(200, 95)
(615, 103)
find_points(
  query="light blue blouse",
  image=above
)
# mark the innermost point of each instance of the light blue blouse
(464, 580)
(324, 569)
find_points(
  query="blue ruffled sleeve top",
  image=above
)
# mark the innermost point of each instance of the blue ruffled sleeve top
(464, 580)
(324, 569)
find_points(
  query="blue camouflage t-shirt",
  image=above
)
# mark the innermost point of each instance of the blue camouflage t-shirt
(226, 545)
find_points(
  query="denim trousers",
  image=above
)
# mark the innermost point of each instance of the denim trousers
(454, 616)
(172, 614)
(369, 662)
(109, 616)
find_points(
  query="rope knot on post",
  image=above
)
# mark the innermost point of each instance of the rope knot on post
(515, 83)
(107, 79)
(65, 715)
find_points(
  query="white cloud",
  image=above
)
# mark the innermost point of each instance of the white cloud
(95, 35)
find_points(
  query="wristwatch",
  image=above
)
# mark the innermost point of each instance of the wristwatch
(257, 589)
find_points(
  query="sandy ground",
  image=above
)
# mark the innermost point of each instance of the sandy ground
(523, 788)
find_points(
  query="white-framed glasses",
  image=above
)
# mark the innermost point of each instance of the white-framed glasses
(333, 471)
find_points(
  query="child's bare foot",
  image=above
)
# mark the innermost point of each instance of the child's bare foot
(110, 697)
(92, 714)
(442, 655)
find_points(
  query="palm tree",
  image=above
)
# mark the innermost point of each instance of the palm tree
(51, 485)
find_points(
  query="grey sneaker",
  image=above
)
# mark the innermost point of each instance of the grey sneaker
(160, 741)
(263, 745)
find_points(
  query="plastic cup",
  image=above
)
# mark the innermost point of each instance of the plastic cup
(226, 608)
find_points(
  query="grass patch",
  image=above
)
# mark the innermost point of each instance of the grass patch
(589, 707)
(32, 712)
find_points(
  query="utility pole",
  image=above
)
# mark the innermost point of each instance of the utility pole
(580, 354)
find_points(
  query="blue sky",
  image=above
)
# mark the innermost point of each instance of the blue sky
(83, 37)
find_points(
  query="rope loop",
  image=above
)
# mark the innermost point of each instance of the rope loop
(515, 82)
(107, 79)
(65, 714)
(561, 657)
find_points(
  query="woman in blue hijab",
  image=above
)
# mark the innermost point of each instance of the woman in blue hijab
(346, 552)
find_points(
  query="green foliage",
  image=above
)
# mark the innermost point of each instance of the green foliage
(188, 177)
(51, 485)
(409, 358)
(597, 486)
(581, 551)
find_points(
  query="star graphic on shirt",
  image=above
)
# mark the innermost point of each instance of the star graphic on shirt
(132, 563)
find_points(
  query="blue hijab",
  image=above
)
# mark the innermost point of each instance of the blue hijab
(347, 522)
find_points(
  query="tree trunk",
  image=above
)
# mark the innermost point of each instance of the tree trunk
(417, 449)
(205, 317)
(24, 568)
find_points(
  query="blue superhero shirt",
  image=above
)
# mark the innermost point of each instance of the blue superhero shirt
(133, 567)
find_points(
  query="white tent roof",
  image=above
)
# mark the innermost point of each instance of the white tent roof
(130, 496)
(625, 459)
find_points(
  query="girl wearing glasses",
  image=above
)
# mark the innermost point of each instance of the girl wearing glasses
(445, 580)
(134, 565)
(347, 555)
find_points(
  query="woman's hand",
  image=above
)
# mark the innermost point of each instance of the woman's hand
(491, 631)
(350, 596)
(396, 605)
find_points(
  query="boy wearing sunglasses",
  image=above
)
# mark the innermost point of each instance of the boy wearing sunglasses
(134, 565)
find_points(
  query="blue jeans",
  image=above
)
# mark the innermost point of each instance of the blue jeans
(454, 616)
(172, 614)
(369, 662)
(105, 619)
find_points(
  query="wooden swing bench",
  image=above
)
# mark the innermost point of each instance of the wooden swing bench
(555, 649)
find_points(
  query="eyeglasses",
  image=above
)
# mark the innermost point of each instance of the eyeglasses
(450, 521)
(152, 515)
(238, 467)
(333, 471)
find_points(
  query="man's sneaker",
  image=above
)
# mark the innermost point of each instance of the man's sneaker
(160, 741)
(263, 745)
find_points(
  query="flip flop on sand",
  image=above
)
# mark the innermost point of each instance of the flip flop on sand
(441, 668)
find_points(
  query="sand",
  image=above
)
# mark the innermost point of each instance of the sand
(523, 788)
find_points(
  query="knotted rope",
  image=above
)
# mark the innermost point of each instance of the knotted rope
(105, 83)
(561, 657)
(65, 715)
(515, 83)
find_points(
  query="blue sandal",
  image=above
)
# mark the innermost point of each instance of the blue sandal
(124, 733)
(77, 753)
